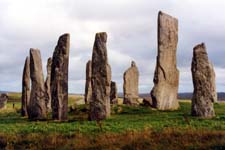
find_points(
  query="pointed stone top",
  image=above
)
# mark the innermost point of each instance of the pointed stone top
(64, 43)
(133, 64)
(200, 46)
(89, 61)
(49, 59)
(27, 58)
(34, 49)
(166, 15)
(102, 36)
(34, 52)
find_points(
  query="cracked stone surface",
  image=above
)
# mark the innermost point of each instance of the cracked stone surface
(166, 77)
(100, 80)
(59, 78)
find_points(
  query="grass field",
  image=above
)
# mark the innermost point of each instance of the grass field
(128, 128)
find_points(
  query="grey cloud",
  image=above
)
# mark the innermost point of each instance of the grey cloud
(132, 35)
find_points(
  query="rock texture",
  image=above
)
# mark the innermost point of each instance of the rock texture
(47, 85)
(113, 93)
(36, 107)
(130, 85)
(59, 78)
(100, 80)
(204, 83)
(166, 78)
(25, 87)
(88, 89)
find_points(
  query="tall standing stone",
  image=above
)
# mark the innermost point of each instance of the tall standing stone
(36, 106)
(88, 89)
(204, 83)
(47, 85)
(113, 93)
(130, 85)
(100, 80)
(25, 87)
(166, 78)
(59, 78)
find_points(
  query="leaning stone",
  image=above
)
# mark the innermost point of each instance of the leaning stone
(204, 81)
(36, 107)
(59, 78)
(166, 78)
(25, 87)
(100, 80)
(130, 85)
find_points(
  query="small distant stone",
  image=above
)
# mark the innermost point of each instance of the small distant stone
(113, 93)
(3, 100)
(88, 89)
(130, 85)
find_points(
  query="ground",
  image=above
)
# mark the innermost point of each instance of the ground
(128, 128)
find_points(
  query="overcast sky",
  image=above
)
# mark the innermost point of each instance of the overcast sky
(131, 26)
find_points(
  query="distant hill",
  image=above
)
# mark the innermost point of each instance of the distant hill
(221, 95)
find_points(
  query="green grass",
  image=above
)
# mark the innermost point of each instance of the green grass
(138, 124)
(124, 118)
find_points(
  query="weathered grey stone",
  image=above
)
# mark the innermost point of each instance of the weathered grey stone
(88, 89)
(36, 106)
(100, 80)
(25, 87)
(166, 78)
(113, 93)
(47, 85)
(3, 100)
(204, 82)
(130, 85)
(59, 78)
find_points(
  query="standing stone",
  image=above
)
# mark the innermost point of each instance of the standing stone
(213, 81)
(100, 80)
(204, 83)
(88, 89)
(3, 100)
(36, 106)
(130, 85)
(59, 78)
(47, 85)
(25, 87)
(166, 78)
(113, 93)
